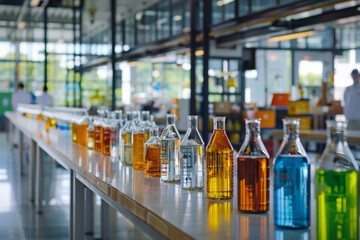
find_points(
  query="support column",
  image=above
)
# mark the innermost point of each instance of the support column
(45, 45)
(32, 172)
(113, 59)
(89, 212)
(21, 152)
(192, 5)
(105, 220)
(78, 212)
(39, 180)
(205, 89)
(72, 210)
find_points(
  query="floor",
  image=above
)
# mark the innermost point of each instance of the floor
(18, 218)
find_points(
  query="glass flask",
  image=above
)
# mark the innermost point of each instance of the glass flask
(291, 180)
(90, 135)
(192, 157)
(127, 140)
(152, 122)
(337, 187)
(82, 134)
(146, 124)
(152, 167)
(219, 163)
(170, 151)
(139, 148)
(253, 171)
(136, 118)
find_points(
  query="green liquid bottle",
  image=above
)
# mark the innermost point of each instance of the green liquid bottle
(337, 188)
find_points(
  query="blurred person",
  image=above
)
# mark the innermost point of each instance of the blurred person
(352, 102)
(20, 96)
(45, 99)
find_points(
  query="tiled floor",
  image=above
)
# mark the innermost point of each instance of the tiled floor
(18, 218)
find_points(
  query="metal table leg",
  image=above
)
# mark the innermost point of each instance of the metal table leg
(39, 180)
(32, 172)
(105, 232)
(89, 212)
(78, 213)
(72, 201)
(21, 152)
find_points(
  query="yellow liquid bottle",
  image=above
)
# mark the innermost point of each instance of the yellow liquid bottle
(81, 137)
(219, 163)
(127, 138)
(53, 123)
(138, 150)
(74, 132)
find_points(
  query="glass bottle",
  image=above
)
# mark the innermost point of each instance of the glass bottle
(90, 131)
(82, 133)
(291, 180)
(253, 171)
(139, 148)
(114, 134)
(74, 128)
(170, 151)
(127, 140)
(219, 163)
(136, 118)
(152, 122)
(98, 129)
(106, 136)
(146, 124)
(337, 187)
(192, 157)
(152, 154)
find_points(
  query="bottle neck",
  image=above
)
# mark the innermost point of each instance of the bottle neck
(192, 123)
(291, 131)
(219, 123)
(253, 129)
(336, 135)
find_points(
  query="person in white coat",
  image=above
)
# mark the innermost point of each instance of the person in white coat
(45, 99)
(20, 96)
(352, 101)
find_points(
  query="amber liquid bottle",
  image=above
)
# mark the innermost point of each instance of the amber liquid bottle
(106, 139)
(82, 134)
(74, 131)
(98, 130)
(219, 163)
(139, 149)
(253, 171)
(152, 166)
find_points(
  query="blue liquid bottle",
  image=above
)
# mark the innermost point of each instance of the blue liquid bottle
(291, 180)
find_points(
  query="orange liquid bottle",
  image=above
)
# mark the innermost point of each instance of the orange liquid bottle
(106, 140)
(152, 166)
(74, 131)
(81, 137)
(138, 150)
(47, 124)
(253, 171)
(219, 163)
(98, 135)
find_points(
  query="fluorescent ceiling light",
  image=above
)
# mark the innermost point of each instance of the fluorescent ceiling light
(292, 36)
(223, 2)
(34, 3)
(177, 18)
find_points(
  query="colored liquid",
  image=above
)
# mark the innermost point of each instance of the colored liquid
(170, 160)
(81, 136)
(74, 132)
(292, 192)
(47, 125)
(114, 143)
(53, 123)
(40, 117)
(138, 151)
(128, 148)
(29, 116)
(253, 184)
(90, 141)
(147, 135)
(106, 141)
(192, 167)
(98, 135)
(219, 167)
(152, 161)
(337, 204)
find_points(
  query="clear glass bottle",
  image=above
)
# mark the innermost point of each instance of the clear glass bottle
(146, 124)
(90, 135)
(291, 180)
(192, 157)
(337, 187)
(152, 167)
(152, 122)
(139, 148)
(127, 140)
(136, 118)
(114, 134)
(219, 163)
(253, 171)
(170, 151)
